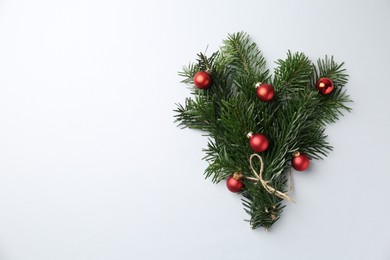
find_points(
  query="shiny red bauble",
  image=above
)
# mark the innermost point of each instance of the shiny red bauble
(265, 92)
(324, 85)
(300, 161)
(234, 183)
(258, 142)
(202, 80)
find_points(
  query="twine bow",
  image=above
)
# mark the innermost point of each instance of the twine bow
(259, 177)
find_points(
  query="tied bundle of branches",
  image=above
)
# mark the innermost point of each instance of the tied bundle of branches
(285, 115)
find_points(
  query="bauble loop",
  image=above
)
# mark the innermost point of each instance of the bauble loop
(258, 142)
(238, 175)
(202, 80)
(300, 161)
(296, 154)
(265, 92)
(234, 184)
(324, 85)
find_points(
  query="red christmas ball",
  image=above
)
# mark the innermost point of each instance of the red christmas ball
(300, 161)
(265, 92)
(324, 85)
(202, 80)
(258, 142)
(234, 183)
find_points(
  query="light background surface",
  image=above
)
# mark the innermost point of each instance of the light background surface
(92, 166)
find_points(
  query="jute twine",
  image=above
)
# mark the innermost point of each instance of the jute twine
(259, 177)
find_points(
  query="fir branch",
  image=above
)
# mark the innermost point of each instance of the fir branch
(196, 114)
(244, 56)
(292, 74)
(334, 104)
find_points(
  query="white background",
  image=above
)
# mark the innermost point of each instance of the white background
(92, 166)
